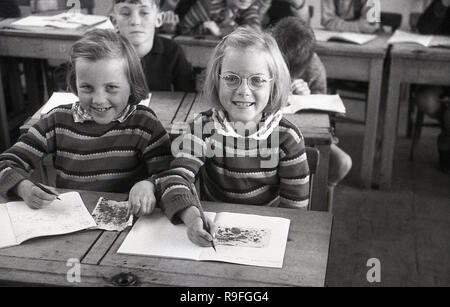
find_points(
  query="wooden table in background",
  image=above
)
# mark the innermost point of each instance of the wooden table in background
(342, 61)
(47, 261)
(45, 44)
(410, 63)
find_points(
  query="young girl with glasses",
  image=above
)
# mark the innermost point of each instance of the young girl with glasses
(243, 150)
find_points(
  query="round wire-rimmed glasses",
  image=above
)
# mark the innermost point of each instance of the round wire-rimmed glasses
(254, 82)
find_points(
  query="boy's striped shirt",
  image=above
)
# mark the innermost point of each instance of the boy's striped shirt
(270, 172)
(215, 10)
(89, 156)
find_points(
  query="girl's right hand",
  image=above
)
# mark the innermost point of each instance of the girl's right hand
(34, 196)
(195, 230)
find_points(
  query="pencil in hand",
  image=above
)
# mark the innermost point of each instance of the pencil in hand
(206, 225)
(202, 216)
(46, 190)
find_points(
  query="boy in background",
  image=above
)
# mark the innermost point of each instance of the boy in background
(347, 16)
(435, 100)
(164, 63)
(221, 17)
(308, 76)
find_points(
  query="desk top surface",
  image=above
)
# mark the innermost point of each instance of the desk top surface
(43, 260)
(418, 52)
(373, 49)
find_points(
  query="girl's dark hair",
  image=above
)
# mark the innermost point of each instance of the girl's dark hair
(107, 44)
(297, 41)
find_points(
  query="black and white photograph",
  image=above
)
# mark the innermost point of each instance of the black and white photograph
(224, 148)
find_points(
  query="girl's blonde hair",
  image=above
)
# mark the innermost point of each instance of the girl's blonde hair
(250, 38)
(107, 44)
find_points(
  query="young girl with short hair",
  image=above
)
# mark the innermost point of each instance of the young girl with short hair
(104, 142)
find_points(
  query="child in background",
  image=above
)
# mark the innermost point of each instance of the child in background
(164, 63)
(347, 16)
(296, 41)
(435, 100)
(221, 17)
(286, 8)
(105, 142)
(245, 152)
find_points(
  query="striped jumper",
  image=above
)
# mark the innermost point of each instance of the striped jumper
(268, 168)
(89, 156)
(216, 10)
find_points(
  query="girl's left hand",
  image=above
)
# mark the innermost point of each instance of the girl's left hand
(300, 87)
(142, 200)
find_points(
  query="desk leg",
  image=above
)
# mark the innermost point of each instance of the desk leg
(4, 127)
(319, 200)
(370, 130)
(390, 125)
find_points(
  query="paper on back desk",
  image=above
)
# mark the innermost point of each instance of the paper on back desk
(327, 103)
(63, 98)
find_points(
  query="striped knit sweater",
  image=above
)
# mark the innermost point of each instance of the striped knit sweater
(269, 171)
(343, 15)
(89, 156)
(216, 10)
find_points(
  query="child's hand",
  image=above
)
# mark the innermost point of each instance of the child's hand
(141, 200)
(195, 230)
(212, 27)
(300, 87)
(170, 21)
(33, 196)
(367, 27)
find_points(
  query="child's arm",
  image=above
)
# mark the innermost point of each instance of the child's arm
(195, 17)
(19, 161)
(157, 156)
(293, 168)
(331, 21)
(252, 16)
(175, 183)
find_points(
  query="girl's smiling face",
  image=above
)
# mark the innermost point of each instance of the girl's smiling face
(103, 88)
(244, 104)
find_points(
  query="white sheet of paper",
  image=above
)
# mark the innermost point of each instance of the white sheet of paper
(156, 236)
(357, 38)
(58, 99)
(7, 237)
(408, 37)
(271, 255)
(62, 216)
(328, 103)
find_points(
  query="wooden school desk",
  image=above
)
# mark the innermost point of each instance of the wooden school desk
(40, 44)
(342, 61)
(174, 107)
(48, 260)
(410, 63)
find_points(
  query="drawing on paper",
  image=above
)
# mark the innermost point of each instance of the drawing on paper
(243, 237)
(112, 215)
